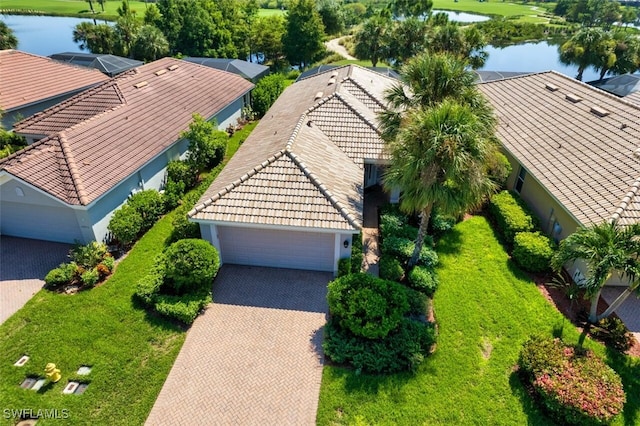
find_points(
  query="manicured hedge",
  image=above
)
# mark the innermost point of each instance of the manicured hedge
(424, 280)
(511, 215)
(575, 386)
(532, 251)
(402, 249)
(179, 286)
(404, 348)
(357, 253)
(368, 307)
(390, 268)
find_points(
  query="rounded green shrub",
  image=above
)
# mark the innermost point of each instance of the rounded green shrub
(182, 172)
(402, 249)
(423, 279)
(126, 224)
(344, 266)
(90, 277)
(402, 349)
(149, 205)
(369, 307)
(109, 262)
(173, 192)
(575, 386)
(60, 276)
(190, 266)
(149, 286)
(182, 228)
(532, 251)
(390, 268)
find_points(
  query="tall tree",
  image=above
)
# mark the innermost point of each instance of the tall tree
(149, 44)
(126, 28)
(425, 81)
(589, 47)
(407, 39)
(7, 39)
(607, 248)
(266, 37)
(627, 54)
(99, 38)
(412, 8)
(464, 43)
(440, 159)
(303, 38)
(332, 15)
(440, 131)
(371, 39)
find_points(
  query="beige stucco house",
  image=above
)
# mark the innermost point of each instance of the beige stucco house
(292, 196)
(575, 151)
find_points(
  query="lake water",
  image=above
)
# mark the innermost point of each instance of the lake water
(46, 35)
(532, 57)
(462, 16)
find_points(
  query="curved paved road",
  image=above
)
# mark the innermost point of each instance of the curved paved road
(334, 45)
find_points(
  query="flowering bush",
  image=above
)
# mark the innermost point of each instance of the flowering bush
(575, 385)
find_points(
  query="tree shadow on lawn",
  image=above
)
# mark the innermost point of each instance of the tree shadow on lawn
(526, 396)
(629, 370)
(450, 242)
(157, 320)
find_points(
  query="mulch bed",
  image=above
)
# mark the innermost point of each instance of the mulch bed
(578, 312)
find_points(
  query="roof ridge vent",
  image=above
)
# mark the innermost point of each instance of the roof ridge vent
(160, 72)
(173, 67)
(599, 111)
(318, 96)
(573, 98)
(141, 84)
(551, 87)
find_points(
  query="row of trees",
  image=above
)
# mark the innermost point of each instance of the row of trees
(595, 13)
(225, 29)
(382, 38)
(613, 52)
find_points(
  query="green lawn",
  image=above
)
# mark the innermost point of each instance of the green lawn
(80, 8)
(131, 352)
(494, 7)
(77, 8)
(485, 308)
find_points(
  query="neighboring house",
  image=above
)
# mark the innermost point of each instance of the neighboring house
(31, 83)
(89, 153)
(292, 196)
(575, 150)
(249, 70)
(389, 72)
(110, 65)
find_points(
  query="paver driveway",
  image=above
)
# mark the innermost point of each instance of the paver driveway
(254, 357)
(23, 266)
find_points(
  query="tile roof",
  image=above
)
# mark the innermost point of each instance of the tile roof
(303, 164)
(579, 142)
(28, 78)
(138, 115)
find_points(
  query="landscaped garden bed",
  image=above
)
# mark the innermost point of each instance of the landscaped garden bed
(486, 309)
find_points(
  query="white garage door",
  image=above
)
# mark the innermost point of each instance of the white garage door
(39, 222)
(278, 249)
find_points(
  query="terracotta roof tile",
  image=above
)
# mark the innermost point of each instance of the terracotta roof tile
(586, 161)
(316, 135)
(28, 78)
(115, 143)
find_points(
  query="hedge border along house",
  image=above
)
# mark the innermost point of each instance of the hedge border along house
(575, 152)
(89, 153)
(292, 196)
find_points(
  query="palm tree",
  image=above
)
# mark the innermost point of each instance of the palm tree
(150, 44)
(371, 40)
(8, 40)
(589, 47)
(425, 81)
(606, 248)
(440, 159)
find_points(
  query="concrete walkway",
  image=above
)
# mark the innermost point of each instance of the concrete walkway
(254, 357)
(23, 266)
(374, 198)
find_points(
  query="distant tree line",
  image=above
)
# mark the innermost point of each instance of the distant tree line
(595, 13)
